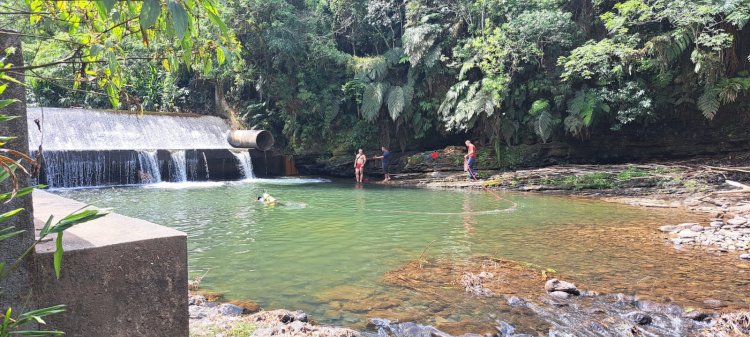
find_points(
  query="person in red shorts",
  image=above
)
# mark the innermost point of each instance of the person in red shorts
(359, 166)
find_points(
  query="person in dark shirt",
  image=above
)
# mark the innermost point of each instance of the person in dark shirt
(386, 157)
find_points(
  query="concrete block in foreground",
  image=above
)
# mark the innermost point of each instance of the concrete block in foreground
(121, 276)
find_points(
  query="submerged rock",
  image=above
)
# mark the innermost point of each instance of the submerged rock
(745, 257)
(230, 309)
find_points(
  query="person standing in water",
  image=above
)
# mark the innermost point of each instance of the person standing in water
(470, 159)
(386, 157)
(359, 166)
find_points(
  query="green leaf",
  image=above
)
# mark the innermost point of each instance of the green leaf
(179, 17)
(9, 234)
(104, 7)
(7, 215)
(76, 218)
(58, 254)
(213, 15)
(41, 333)
(5, 118)
(45, 230)
(220, 57)
(20, 193)
(3, 87)
(4, 140)
(149, 13)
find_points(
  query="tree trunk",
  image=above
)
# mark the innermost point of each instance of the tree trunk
(16, 287)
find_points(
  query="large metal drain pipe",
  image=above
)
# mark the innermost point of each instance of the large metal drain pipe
(256, 139)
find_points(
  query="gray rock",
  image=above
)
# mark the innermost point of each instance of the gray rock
(515, 301)
(697, 228)
(686, 233)
(697, 315)
(745, 256)
(554, 285)
(560, 295)
(717, 224)
(668, 228)
(686, 225)
(737, 221)
(677, 241)
(640, 318)
(228, 309)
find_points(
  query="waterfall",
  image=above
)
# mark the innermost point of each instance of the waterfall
(150, 171)
(88, 168)
(179, 165)
(245, 164)
(205, 161)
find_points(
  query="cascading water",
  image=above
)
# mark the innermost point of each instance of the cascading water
(150, 171)
(179, 166)
(245, 164)
(97, 148)
(88, 168)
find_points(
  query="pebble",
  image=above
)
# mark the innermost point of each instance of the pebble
(697, 228)
(737, 221)
(745, 257)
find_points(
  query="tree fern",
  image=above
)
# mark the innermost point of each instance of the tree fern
(419, 40)
(708, 102)
(508, 129)
(574, 125)
(372, 100)
(544, 125)
(451, 97)
(395, 102)
(371, 68)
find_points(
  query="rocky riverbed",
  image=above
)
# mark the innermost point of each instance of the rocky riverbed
(718, 235)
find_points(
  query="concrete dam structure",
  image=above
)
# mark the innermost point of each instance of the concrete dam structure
(83, 147)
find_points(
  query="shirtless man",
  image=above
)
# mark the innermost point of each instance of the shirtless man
(359, 165)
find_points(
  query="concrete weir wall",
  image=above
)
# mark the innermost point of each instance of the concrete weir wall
(121, 276)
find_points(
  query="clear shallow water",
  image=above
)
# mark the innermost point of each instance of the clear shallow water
(334, 237)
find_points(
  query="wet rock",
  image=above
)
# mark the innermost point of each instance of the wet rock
(560, 295)
(301, 317)
(697, 228)
(504, 329)
(745, 257)
(697, 315)
(554, 285)
(640, 318)
(686, 225)
(230, 309)
(717, 224)
(737, 221)
(515, 301)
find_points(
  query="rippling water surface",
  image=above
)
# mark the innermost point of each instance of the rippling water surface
(332, 237)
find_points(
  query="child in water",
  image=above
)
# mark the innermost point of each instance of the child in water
(267, 199)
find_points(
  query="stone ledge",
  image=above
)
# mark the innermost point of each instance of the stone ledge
(110, 230)
(121, 276)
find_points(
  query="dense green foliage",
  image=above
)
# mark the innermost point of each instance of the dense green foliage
(332, 75)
